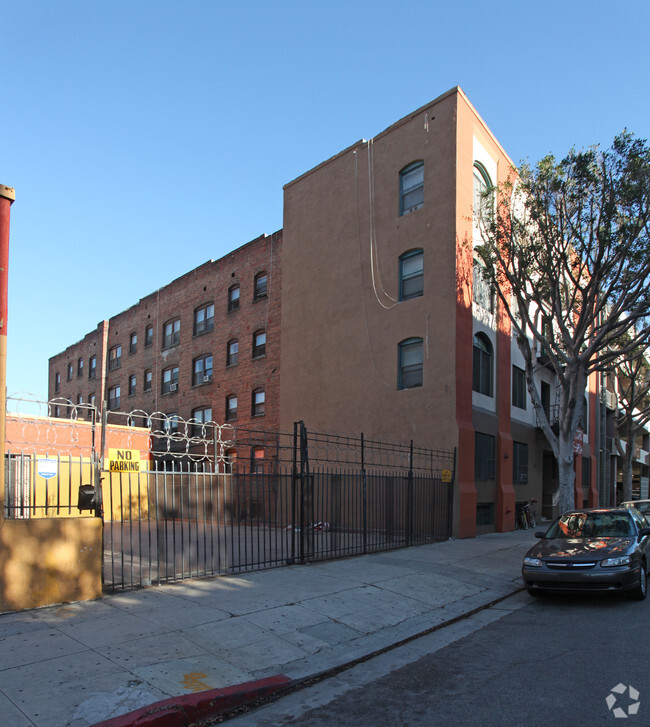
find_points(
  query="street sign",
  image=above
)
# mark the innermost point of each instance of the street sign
(578, 440)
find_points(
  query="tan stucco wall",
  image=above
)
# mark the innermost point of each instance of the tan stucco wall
(340, 333)
(49, 561)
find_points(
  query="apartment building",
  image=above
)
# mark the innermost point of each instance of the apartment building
(370, 304)
(397, 336)
(204, 347)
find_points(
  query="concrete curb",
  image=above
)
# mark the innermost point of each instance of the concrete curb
(189, 708)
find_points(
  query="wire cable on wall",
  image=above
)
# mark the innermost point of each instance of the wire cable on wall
(374, 258)
(363, 297)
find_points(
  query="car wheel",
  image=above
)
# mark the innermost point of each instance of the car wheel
(640, 591)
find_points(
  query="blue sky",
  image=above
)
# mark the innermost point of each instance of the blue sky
(146, 137)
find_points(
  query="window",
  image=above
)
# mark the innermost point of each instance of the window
(115, 358)
(170, 380)
(518, 387)
(132, 382)
(171, 423)
(231, 407)
(70, 369)
(80, 399)
(232, 357)
(410, 363)
(586, 475)
(80, 368)
(519, 462)
(484, 456)
(201, 415)
(257, 460)
(92, 367)
(204, 320)
(133, 343)
(482, 293)
(92, 400)
(114, 397)
(147, 380)
(148, 336)
(484, 513)
(411, 188)
(482, 184)
(172, 333)
(259, 344)
(257, 408)
(482, 370)
(411, 274)
(57, 382)
(202, 370)
(260, 286)
(233, 298)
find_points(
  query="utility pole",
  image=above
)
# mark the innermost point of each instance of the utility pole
(7, 197)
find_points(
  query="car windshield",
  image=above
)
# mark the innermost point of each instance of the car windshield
(591, 525)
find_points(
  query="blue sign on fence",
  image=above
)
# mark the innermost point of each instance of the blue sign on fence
(47, 468)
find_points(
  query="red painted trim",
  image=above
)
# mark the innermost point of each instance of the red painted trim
(5, 205)
(188, 708)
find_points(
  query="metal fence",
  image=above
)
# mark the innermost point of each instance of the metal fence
(307, 497)
(212, 499)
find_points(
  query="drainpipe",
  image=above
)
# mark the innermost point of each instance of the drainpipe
(7, 196)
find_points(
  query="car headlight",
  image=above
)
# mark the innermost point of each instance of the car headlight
(621, 560)
(533, 562)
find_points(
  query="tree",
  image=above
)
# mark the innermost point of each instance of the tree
(566, 247)
(633, 413)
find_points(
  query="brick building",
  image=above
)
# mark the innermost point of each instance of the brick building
(371, 301)
(204, 347)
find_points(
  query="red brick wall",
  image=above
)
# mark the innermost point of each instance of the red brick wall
(209, 283)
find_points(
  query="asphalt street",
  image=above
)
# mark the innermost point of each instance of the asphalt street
(560, 660)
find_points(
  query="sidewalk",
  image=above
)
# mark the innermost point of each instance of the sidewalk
(80, 664)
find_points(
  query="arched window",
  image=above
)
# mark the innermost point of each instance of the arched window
(233, 297)
(232, 357)
(410, 363)
(260, 287)
(257, 403)
(411, 188)
(482, 371)
(482, 184)
(411, 274)
(259, 343)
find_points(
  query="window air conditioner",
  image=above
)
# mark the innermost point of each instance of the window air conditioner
(173, 387)
(207, 379)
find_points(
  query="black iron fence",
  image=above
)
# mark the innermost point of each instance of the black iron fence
(193, 520)
(207, 499)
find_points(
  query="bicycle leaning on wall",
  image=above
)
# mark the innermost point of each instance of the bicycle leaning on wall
(525, 516)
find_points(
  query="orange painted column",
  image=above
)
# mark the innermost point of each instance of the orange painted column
(506, 496)
(7, 197)
(466, 488)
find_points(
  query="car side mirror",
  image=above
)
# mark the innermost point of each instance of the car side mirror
(541, 534)
(644, 532)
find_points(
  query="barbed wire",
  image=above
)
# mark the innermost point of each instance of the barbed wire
(171, 437)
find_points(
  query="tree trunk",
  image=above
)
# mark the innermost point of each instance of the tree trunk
(566, 499)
